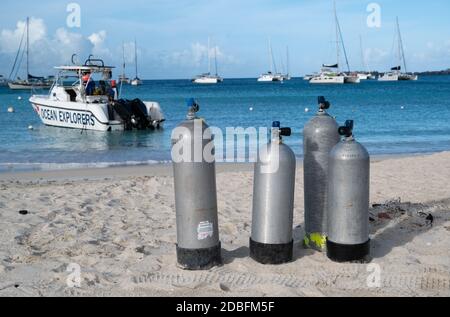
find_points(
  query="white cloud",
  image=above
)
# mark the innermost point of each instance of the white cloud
(197, 56)
(10, 39)
(49, 51)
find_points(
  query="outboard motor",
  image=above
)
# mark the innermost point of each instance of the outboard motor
(348, 199)
(320, 136)
(273, 202)
(198, 247)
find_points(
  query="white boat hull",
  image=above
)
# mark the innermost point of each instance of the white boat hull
(389, 77)
(352, 80)
(206, 80)
(74, 115)
(18, 86)
(338, 80)
(136, 82)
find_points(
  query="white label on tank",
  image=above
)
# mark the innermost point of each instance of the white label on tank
(205, 230)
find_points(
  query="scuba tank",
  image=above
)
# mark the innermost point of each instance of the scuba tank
(320, 136)
(198, 246)
(273, 202)
(348, 199)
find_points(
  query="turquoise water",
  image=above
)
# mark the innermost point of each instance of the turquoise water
(390, 118)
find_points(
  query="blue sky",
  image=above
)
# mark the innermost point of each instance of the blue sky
(172, 34)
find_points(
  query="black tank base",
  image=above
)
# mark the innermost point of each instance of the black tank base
(273, 254)
(342, 253)
(199, 259)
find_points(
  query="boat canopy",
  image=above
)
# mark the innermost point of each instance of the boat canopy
(85, 68)
(330, 66)
(396, 68)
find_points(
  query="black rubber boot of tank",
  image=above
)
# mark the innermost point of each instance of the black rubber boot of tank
(199, 259)
(273, 254)
(342, 253)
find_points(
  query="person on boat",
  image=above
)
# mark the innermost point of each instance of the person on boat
(113, 93)
(89, 85)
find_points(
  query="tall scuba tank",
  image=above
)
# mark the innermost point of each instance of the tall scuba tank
(320, 137)
(273, 202)
(198, 246)
(348, 199)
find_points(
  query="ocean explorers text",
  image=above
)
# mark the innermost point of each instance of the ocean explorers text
(68, 117)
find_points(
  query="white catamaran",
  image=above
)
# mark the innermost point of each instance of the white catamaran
(330, 74)
(207, 78)
(396, 74)
(31, 82)
(270, 76)
(136, 81)
(88, 105)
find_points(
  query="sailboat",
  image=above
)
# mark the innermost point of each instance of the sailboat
(207, 78)
(287, 76)
(396, 74)
(330, 73)
(365, 75)
(270, 76)
(30, 82)
(123, 79)
(136, 81)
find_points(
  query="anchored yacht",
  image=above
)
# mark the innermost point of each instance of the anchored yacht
(86, 105)
(270, 76)
(208, 78)
(396, 73)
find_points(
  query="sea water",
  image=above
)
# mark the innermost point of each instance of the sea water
(390, 118)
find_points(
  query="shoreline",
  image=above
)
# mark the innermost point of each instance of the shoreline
(156, 169)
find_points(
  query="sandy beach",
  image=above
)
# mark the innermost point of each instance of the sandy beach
(118, 226)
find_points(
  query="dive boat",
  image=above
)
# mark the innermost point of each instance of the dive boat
(86, 106)
(31, 82)
(207, 78)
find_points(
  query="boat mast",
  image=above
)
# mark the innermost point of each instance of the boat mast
(287, 60)
(270, 56)
(363, 58)
(124, 64)
(135, 57)
(340, 38)
(215, 60)
(337, 37)
(400, 44)
(209, 56)
(28, 48)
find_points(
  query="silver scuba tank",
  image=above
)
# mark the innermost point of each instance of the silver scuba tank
(320, 136)
(348, 199)
(273, 202)
(198, 244)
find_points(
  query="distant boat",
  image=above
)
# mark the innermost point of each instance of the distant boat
(123, 79)
(366, 75)
(270, 76)
(287, 76)
(396, 74)
(136, 81)
(31, 82)
(207, 78)
(330, 74)
(3, 81)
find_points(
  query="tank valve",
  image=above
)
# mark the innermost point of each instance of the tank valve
(280, 132)
(193, 108)
(323, 103)
(347, 129)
